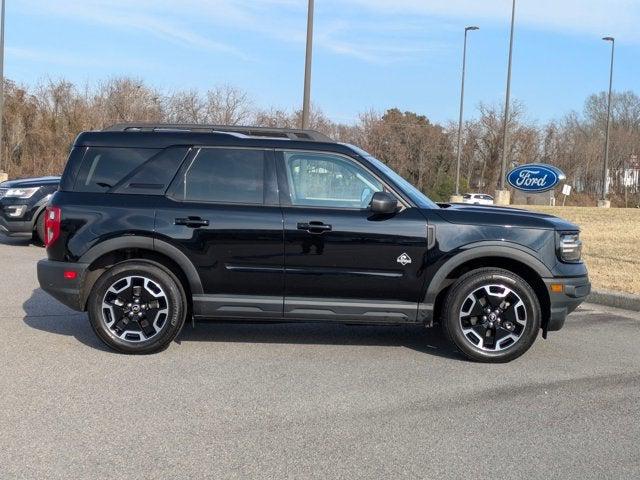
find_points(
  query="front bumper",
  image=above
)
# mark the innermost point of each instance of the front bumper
(67, 291)
(16, 216)
(575, 291)
(17, 227)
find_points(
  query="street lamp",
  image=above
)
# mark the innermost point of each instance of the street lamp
(464, 67)
(502, 196)
(603, 201)
(307, 68)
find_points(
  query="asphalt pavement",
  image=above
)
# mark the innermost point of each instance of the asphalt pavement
(308, 401)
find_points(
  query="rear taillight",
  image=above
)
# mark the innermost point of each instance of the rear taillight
(53, 216)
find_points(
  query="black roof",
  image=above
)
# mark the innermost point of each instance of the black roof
(145, 135)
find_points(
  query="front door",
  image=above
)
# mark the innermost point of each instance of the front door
(222, 212)
(341, 262)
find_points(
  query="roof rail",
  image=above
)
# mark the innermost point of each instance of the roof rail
(265, 132)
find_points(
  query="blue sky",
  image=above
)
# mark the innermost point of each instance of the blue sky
(369, 54)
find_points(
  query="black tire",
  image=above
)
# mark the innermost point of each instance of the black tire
(463, 294)
(38, 233)
(169, 316)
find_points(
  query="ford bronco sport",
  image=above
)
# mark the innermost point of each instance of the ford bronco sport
(156, 224)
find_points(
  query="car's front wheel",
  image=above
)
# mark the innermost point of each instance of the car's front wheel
(492, 315)
(137, 307)
(38, 232)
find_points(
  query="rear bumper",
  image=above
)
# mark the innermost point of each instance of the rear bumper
(575, 291)
(67, 291)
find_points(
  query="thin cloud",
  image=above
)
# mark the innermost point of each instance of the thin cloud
(131, 15)
(394, 29)
(69, 60)
(281, 20)
(592, 17)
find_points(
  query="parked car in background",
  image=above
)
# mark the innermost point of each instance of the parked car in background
(477, 199)
(22, 206)
(157, 224)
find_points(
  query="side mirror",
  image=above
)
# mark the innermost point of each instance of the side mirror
(383, 203)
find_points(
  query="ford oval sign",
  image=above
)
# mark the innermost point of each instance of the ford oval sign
(535, 177)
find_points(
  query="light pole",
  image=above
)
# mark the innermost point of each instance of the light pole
(2, 174)
(307, 67)
(464, 68)
(502, 196)
(603, 201)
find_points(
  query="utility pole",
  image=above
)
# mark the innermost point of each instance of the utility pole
(604, 203)
(456, 197)
(502, 195)
(3, 175)
(306, 101)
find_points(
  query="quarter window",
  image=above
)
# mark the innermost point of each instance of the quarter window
(325, 180)
(103, 168)
(223, 175)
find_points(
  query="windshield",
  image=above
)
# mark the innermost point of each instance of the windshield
(419, 198)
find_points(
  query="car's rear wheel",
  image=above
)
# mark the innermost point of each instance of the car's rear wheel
(137, 307)
(492, 315)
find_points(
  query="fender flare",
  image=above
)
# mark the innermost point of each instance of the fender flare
(40, 206)
(482, 250)
(147, 243)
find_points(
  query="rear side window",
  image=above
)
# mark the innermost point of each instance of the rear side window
(223, 175)
(103, 168)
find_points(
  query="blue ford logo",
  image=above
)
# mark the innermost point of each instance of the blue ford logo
(535, 177)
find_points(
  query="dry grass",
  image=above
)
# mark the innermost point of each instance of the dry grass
(611, 239)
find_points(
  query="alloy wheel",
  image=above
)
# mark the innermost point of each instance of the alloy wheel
(493, 317)
(135, 308)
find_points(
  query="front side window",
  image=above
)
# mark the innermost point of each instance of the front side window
(223, 175)
(419, 198)
(103, 167)
(326, 180)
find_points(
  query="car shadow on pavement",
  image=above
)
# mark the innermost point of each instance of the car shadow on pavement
(44, 313)
(429, 341)
(16, 241)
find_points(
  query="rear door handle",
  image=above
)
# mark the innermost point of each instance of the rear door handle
(192, 222)
(314, 227)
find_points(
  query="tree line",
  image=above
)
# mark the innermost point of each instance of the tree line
(41, 122)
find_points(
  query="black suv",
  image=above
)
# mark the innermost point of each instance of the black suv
(22, 204)
(156, 224)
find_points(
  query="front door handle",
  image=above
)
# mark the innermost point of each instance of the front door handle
(314, 227)
(192, 222)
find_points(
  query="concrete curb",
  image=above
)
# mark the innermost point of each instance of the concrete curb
(626, 301)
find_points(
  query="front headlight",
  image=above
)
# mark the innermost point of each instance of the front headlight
(570, 247)
(21, 192)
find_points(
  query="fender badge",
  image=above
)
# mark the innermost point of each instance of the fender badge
(404, 259)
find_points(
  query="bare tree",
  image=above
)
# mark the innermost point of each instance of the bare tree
(41, 123)
(186, 107)
(228, 105)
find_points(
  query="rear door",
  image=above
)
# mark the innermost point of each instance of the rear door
(342, 262)
(222, 211)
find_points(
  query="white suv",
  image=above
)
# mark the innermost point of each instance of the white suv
(477, 199)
